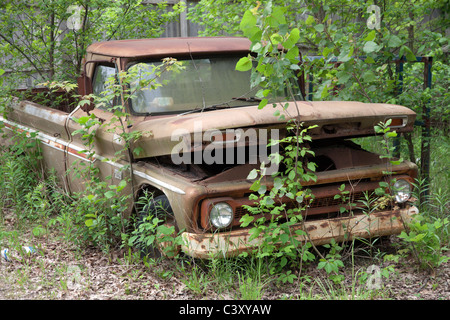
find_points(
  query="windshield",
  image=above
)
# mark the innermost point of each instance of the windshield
(201, 83)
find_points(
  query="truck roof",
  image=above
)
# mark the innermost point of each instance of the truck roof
(163, 47)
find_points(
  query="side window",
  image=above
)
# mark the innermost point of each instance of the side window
(101, 75)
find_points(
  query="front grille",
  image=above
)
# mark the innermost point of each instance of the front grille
(320, 205)
(330, 201)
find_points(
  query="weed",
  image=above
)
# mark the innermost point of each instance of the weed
(196, 280)
(332, 262)
(427, 239)
(250, 288)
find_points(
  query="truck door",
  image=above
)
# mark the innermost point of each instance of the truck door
(100, 154)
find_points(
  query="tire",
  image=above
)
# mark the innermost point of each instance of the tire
(158, 207)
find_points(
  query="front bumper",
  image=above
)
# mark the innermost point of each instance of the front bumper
(232, 243)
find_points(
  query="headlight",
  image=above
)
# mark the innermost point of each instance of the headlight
(221, 215)
(402, 191)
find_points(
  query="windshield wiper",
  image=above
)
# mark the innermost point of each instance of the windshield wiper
(249, 99)
(222, 105)
(211, 107)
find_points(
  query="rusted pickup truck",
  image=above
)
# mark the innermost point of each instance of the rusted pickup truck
(202, 123)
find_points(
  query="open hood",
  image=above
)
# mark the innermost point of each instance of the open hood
(333, 119)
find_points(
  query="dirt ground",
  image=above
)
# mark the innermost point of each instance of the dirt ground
(58, 272)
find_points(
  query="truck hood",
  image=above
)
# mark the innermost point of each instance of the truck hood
(333, 119)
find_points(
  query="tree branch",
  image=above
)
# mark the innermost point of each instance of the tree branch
(22, 53)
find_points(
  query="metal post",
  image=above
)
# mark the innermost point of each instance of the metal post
(399, 72)
(310, 87)
(426, 132)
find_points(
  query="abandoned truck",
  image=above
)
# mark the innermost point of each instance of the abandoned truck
(208, 105)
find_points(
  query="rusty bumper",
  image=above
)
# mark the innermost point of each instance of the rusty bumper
(232, 243)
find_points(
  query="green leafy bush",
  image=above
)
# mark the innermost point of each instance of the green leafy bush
(428, 239)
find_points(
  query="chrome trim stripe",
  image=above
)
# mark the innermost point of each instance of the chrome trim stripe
(40, 135)
(159, 182)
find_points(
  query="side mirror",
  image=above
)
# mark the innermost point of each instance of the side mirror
(85, 88)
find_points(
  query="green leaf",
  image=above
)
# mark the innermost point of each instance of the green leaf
(252, 175)
(380, 191)
(369, 76)
(294, 36)
(370, 36)
(343, 76)
(322, 91)
(378, 129)
(256, 47)
(291, 175)
(277, 183)
(262, 189)
(346, 54)
(369, 60)
(82, 120)
(246, 220)
(138, 150)
(418, 237)
(408, 53)
(165, 230)
(293, 54)
(394, 41)
(284, 238)
(244, 64)
(150, 240)
(278, 15)
(122, 184)
(276, 38)
(321, 264)
(391, 134)
(371, 46)
(319, 27)
(310, 20)
(254, 233)
(326, 51)
(249, 27)
(109, 194)
(269, 201)
(248, 22)
(263, 103)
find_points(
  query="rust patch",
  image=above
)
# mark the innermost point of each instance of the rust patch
(324, 225)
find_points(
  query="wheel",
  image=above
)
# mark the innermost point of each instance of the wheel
(159, 207)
